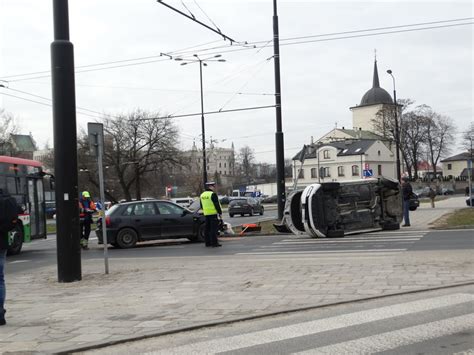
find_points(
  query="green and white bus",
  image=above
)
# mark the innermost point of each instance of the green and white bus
(23, 179)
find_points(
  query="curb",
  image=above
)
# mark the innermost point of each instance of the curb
(99, 345)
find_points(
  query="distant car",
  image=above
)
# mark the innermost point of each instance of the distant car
(132, 222)
(183, 201)
(224, 200)
(245, 205)
(447, 191)
(270, 199)
(50, 209)
(414, 202)
(422, 192)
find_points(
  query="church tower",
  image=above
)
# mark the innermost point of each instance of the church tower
(372, 102)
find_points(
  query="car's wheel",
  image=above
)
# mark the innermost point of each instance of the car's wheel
(261, 212)
(231, 215)
(241, 215)
(17, 240)
(127, 238)
(200, 236)
(251, 212)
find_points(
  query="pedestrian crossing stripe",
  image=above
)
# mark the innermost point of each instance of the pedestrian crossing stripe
(342, 251)
(332, 241)
(313, 327)
(397, 338)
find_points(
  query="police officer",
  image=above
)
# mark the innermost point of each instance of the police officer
(407, 191)
(212, 211)
(86, 209)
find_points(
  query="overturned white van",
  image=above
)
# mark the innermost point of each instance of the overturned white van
(334, 209)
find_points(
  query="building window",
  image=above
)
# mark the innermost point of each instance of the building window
(378, 152)
(379, 169)
(220, 165)
(450, 166)
(340, 171)
(324, 172)
(225, 165)
(355, 170)
(314, 173)
(326, 154)
(301, 174)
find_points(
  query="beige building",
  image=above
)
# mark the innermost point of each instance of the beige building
(456, 165)
(220, 161)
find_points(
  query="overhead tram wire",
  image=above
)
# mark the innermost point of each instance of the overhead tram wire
(255, 47)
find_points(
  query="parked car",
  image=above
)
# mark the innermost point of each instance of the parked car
(422, 192)
(50, 209)
(245, 205)
(414, 202)
(132, 222)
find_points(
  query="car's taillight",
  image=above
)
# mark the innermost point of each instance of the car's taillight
(108, 222)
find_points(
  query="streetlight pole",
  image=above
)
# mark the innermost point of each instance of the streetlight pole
(203, 130)
(279, 143)
(397, 132)
(202, 62)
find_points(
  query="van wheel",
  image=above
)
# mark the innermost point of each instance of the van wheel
(17, 240)
(261, 212)
(127, 238)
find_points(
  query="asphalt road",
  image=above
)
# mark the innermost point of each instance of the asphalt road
(41, 253)
(434, 322)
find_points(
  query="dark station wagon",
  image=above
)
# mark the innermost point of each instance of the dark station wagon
(138, 221)
(245, 205)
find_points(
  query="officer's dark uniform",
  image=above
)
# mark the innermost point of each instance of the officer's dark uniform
(212, 209)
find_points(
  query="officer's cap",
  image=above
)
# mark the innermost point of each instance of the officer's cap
(210, 183)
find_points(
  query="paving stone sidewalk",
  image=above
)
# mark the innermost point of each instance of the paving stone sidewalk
(145, 296)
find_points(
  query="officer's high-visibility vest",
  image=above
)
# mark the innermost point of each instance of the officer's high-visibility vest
(208, 207)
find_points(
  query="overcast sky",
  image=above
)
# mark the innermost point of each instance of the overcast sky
(321, 77)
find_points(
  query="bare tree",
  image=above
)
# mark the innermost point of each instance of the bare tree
(246, 158)
(413, 137)
(8, 126)
(468, 137)
(136, 145)
(439, 135)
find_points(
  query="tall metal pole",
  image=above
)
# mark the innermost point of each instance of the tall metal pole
(469, 174)
(100, 158)
(279, 144)
(397, 131)
(65, 147)
(204, 162)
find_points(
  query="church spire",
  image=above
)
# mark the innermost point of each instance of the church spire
(375, 83)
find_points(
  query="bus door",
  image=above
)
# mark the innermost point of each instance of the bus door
(36, 208)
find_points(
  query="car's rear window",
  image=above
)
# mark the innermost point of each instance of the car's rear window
(112, 209)
(238, 201)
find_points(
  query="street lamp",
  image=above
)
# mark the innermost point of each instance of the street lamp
(397, 132)
(202, 62)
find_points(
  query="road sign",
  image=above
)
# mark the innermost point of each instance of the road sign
(368, 173)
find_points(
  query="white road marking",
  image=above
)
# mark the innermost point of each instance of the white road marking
(318, 326)
(322, 251)
(332, 241)
(19, 261)
(397, 338)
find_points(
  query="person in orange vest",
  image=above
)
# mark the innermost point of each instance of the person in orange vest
(86, 208)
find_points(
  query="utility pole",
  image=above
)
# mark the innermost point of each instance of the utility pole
(397, 131)
(65, 147)
(279, 144)
(203, 131)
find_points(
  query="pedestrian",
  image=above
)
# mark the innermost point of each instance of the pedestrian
(432, 196)
(8, 218)
(87, 208)
(407, 191)
(212, 210)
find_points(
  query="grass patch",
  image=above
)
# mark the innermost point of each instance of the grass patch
(463, 218)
